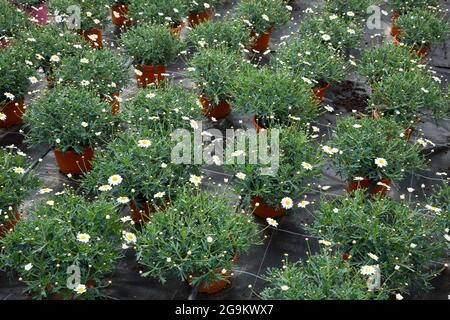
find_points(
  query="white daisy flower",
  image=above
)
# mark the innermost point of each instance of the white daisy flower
(83, 237)
(381, 162)
(287, 203)
(272, 222)
(115, 180)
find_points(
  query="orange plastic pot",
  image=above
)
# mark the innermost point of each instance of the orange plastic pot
(261, 42)
(421, 50)
(94, 37)
(119, 15)
(220, 111)
(14, 111)
(256, 125)
(176, 29)
(74, 163)
(319, 92)
(149, 75)
(395, 31)
(263, 210)
(195, 19)
(367, 184)
(141, 212)
(9, 225)
(113, 101)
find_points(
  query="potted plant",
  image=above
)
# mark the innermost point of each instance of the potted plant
(273, 97)
(228, 33)
(49, 45)
(199, 12)
(386, 60)
(350, 9)
(12, 21)
(101, 71)
(162, 12)
(14, 83)
(404, 245)
(403, 6)
(197, 238)
(268, 192)
(262, 17)
(419, 28)
(370, 153)
(73, 123)
(48, 255)
(94, 14)
(119, 13)
(213, 71)
(314, 62)
(152, 48)
(408, 97)
(16, 185)
(331, 28)
(324, 276)
(137, 169)
(164, 108)
(36, 9)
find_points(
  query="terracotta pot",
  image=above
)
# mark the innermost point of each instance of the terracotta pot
(261, 42)
(96, 34)
(39, 12)
(4, 42)
(149, 75)
(422, 50)
(195, 19)
(74, 163)
(14, 111)
(9, 225)
(319, 92)
(218, 285)
(367, 184)
(218, 112)
(113, 101)
(395, 31)
(256, 125)
(119, 15)
(141, 212)
(265, 211)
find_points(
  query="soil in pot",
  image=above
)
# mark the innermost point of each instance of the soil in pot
(370, 186)
(320, 91)
(119, 15)
(8, 225)
(74, 163)
(220, 111)
(261, 42)
(94, 37)
(39, 12)
(263, 210)
(14, 111)
(195, 19)
(113, 101)
(146, 75)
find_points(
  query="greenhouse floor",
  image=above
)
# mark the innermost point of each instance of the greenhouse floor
(288, 237)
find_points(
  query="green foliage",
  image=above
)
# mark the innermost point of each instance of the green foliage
(420, 26)
(262, 15)
(331, 28)
(104, 70)
(94, 14)
(12, 20)
(274, 97)
(68, 118)
(381, 62)
(47, 242)
(14, 72)
(162, 12)
(196, 7)
(50, 41)
(165, 108)
(403, 6)
(406, 242)
(213, 71)
(289, 179)
(439, 204)
(310, 58)
(323, 276)
(146, 171)
(351, 9)
(227, 33)
(149, 44)
(196, 236)
(406, 96)
(361, 142)
(15, 183)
